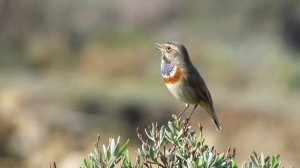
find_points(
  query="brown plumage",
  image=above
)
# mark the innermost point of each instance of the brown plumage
(184, 81)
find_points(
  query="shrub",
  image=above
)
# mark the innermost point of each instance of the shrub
(174, 145)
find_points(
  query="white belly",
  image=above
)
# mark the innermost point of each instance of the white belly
(185, 94)
(175, 89)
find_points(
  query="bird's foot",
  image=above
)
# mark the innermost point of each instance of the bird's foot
(186, 121)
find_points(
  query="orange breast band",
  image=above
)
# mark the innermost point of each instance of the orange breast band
(173, 79)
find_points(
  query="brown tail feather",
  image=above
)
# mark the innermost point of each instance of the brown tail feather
(216, 121)
(209, 109)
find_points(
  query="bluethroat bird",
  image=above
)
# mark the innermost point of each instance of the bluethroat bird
(183, 79)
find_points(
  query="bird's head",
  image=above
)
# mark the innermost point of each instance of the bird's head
(173, 52)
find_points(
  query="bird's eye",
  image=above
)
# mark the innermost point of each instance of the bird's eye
(168, 48)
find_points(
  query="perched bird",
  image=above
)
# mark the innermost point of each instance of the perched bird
(183, 79)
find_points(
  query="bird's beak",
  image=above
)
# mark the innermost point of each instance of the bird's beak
(159, 46)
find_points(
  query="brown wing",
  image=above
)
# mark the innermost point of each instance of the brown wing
(196, 81)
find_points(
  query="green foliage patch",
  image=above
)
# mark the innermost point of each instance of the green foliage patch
(174, 145)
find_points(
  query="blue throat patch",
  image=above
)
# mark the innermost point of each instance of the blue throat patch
(166, 67)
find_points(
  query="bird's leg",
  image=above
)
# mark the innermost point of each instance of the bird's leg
(188, 119)
(186, 106)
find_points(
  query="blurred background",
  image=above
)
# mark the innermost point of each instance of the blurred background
(70, 69)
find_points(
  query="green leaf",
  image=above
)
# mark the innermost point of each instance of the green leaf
(262, 160)
(86, 164)
(275, 163)
(254, 161)
(171, 127)
(123, 148)
(149, 135)
(233, 163)
(112, 146)
(221, 158)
